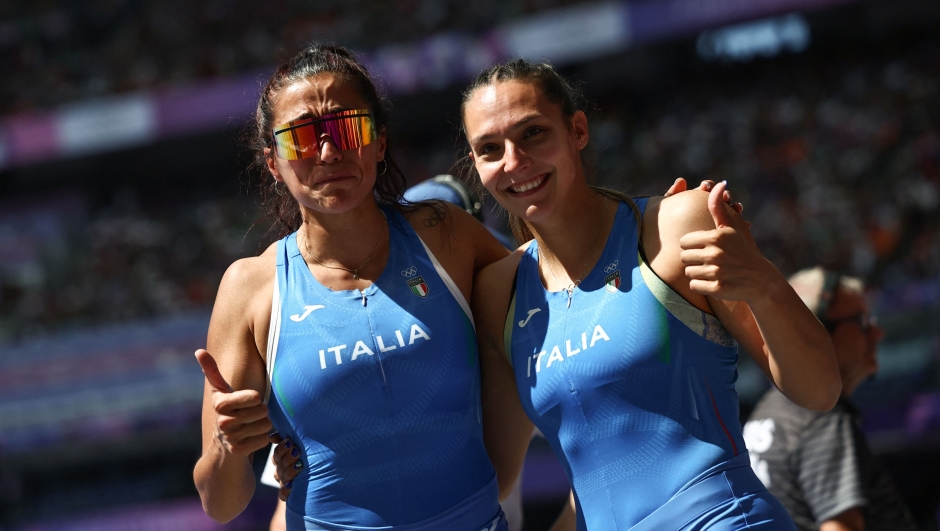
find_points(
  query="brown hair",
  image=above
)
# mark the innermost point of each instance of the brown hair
(558, 91)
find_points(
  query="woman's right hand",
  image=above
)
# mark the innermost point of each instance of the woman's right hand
(287, 464)
(241, 423)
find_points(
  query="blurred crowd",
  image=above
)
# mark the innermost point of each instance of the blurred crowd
(53, 52)
(836, 158)
(66, 264)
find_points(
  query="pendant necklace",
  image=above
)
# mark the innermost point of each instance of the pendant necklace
(355, 272)
(577, 282)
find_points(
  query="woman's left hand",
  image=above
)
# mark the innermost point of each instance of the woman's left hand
(286, 459)
(706, 186)
(725, 262)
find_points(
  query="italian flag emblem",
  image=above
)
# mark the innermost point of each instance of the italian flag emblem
(418, 286)
(613, 281)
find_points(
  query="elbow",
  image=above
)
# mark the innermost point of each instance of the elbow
(504, 492)
(221, 513)
(818, 394)
(833, 392)
(218, 516)
(825, 393)
(223, 507)
(506, 485)
(824, 399)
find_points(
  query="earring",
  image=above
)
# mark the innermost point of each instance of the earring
(384, 168)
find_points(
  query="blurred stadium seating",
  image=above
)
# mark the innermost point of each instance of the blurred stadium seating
(111, 252)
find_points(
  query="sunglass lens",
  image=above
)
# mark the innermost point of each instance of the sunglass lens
(298, 142)
(348, 132)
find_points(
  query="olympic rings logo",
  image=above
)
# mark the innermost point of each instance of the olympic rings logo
(613, 265)
(410, 272)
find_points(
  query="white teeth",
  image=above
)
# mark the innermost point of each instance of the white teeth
(527, 186)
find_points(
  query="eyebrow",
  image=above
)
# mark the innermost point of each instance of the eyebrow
(517, 125)
(309, 115)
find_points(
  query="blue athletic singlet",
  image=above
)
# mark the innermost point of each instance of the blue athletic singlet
(634, 389)
(380, 389)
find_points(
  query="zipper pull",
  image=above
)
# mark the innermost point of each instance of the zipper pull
(363, 297)
(570, 294)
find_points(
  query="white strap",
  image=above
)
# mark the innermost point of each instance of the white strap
(274, 332)
(449, 282)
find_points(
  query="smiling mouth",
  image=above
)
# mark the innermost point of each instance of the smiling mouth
(529, 185)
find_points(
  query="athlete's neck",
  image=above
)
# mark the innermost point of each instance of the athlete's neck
(345, 238)
(572, 238)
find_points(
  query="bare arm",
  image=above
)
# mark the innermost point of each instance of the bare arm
(568, 519)
(704, 251)
(279, 518)
(460, 243)
(851, 520)
(234, 419)
(506, 428)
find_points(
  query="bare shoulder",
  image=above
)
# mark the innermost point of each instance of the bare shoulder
(438, 221)
(247, 275)
(502, 271)
(492, 291)
(665, 222)
(459, 241)
(243, 304)
(680, 213)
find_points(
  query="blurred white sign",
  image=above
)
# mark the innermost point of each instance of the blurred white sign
(105, 124)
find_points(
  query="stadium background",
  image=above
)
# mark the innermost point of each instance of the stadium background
(123, 197)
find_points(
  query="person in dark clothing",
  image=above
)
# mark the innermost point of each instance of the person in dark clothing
(819, 464)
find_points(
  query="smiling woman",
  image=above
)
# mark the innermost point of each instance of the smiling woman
(616, 329)
(351, 336)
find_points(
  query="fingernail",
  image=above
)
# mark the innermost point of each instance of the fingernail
(725, 182)
(288, 444)
(272, 433)
(298, 465)
(289, 485)
(295, 452)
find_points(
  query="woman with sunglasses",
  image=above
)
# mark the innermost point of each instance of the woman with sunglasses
(616, 329)
(351, 336)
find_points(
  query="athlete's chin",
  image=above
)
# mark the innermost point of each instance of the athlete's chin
(529, 209)
(339, 202)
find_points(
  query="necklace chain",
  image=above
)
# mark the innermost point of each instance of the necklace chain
(577, 282)
(355, 272)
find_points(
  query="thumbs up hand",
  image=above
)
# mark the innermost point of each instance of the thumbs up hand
(724, 263)
(242, 423)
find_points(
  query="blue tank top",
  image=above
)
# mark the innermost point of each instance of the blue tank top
(380, 389)
(632, 385)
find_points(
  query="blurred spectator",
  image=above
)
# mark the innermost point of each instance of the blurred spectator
(818, 464)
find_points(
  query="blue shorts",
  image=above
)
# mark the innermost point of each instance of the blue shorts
(732, 499)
